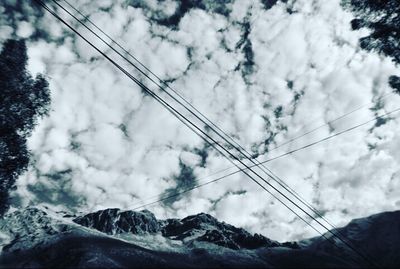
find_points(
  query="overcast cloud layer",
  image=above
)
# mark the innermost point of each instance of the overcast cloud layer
(263, 75)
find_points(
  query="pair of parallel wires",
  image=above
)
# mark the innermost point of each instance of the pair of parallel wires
(211, 126)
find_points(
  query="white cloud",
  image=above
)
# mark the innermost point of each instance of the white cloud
(122, 147)
(25, 29)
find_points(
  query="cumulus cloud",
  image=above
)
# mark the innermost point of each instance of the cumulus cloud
(262, 75)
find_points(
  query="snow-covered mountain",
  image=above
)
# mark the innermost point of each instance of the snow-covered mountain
(39, 237)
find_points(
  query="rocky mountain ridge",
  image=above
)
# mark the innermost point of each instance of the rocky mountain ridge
(200, 227)
(38, 237)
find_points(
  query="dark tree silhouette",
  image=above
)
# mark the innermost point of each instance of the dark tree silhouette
(22, 101)
(382, 17)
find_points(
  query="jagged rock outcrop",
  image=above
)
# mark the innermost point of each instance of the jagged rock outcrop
(115, 221)
(28, 228)
(203, 227)
(200, 227)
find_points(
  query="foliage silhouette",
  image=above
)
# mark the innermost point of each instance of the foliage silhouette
(23, 100)
(382, 17)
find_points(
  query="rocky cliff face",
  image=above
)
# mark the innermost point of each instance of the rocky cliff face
(114, 221)
(201, 227)
(38, 237)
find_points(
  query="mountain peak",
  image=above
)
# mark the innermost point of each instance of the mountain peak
(118, 238)
(115, 221)
(201, 228)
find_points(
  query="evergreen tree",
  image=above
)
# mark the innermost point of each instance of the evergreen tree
(22, 101)
(382, 17)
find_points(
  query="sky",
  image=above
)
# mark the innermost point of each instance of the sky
(264, 74)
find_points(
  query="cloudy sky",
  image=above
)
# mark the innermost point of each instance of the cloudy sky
(263, 73)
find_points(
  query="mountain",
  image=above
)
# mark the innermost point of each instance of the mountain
(201, 227)
(39, 237)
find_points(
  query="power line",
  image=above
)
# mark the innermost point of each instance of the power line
(261, 166)
(214, 141)
(269, 173)
(237, 171)
(188, 103)
(207, 121)
(329, 137)
(227, 150)
(326, 123)
(249, 156)
(268, 160)
(189, 123)
(177, 114)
